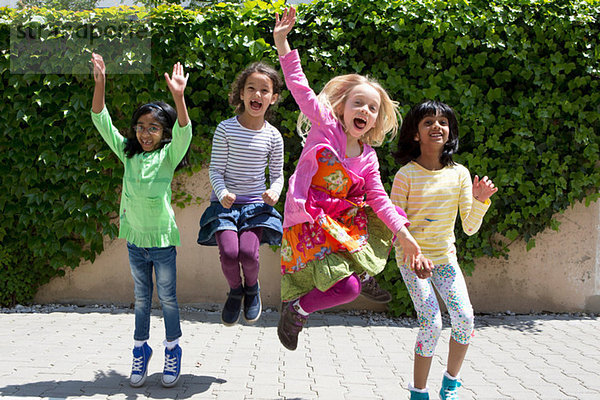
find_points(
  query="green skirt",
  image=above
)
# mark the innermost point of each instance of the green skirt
(323, 274)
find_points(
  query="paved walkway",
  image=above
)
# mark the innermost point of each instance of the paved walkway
(84, 353)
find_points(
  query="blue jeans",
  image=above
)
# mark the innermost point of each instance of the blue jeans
(141, 260)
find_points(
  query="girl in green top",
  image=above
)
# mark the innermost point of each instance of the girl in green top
(157, 143)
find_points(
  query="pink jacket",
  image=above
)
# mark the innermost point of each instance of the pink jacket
(326, 131)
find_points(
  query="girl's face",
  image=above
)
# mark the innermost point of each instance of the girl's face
(149, 132)
(361, 110)
(257, 94)
(433, 131)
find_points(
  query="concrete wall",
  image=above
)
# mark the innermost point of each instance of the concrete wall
(561, 273)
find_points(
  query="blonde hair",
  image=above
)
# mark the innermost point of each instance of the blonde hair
(334, 96)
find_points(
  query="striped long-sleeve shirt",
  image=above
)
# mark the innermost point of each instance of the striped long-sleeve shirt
(239, 158)
(432, 200)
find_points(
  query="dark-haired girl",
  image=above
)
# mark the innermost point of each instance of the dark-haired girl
(155, 146)
(432, 189)
(241, 214)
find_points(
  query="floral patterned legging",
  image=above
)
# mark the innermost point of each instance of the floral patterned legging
(450, 283)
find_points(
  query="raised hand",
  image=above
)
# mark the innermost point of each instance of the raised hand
(99, 68)
(483, 189)
(178, 81)
(283, 26)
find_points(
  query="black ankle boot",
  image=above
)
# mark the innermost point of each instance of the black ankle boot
(232, 307)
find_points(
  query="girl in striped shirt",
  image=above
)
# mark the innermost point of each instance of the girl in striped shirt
(241, 214)
(432, 189)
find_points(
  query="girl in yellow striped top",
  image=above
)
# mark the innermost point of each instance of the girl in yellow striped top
(432, 189)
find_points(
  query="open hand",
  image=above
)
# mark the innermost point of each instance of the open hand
(483, 189)
(284, 25)
(178, 81)
(99, 68)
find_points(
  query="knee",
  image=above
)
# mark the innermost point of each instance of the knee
(228, 255)
(464, 320)
(431, 322)
(349, 287)
(248, 255)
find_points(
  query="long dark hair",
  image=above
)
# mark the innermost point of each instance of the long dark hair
(409, 149)
(238, 85)
(166, 117)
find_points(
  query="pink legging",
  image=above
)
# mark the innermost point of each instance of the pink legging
(344, 291)
(239, 250)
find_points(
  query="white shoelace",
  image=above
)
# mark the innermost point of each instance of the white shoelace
(170, 364)
(138, 364)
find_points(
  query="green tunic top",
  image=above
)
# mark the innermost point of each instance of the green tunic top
(146, 216)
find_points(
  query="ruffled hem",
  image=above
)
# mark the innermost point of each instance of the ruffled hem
(150, 239)
(324, 273)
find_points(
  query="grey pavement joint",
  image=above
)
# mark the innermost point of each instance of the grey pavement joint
(70, 352)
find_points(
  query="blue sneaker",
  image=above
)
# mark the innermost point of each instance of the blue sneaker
(139, 369)
(233, 306)
(252, 303)
(449, 390)
(172, 366)
(415, 395)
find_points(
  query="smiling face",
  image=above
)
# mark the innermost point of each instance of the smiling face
(361, 110)
(433, 132)
(149, 132)
(257, 95)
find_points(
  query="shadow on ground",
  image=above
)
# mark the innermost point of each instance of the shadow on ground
(112, 383)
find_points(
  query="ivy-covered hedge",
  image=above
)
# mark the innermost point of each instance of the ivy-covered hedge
(523, 76)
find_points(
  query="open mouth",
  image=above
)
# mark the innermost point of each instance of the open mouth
(360, 123)
(146, 143)
(255, 105)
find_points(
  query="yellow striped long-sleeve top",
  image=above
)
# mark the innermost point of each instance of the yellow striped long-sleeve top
(432, 200)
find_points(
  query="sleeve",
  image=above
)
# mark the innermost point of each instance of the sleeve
(276, 163)
(297, 84)
(109, 132)
(400, 187)
(182, 137)
(471, 210)
(379, 201)
(218, 162)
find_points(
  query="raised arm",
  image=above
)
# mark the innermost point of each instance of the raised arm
(100, 79)
(283, 26)
(177, 84)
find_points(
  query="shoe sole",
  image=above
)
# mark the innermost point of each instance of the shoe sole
(143, 380)
(230, 323)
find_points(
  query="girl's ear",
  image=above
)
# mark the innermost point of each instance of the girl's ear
(274, 98)
(416, 137)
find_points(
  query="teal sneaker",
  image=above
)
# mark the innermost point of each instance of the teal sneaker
(449, 390)
(416, 395)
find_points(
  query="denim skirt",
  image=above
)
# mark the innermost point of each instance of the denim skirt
(239, 218)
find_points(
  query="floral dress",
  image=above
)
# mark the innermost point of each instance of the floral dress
(346, 237)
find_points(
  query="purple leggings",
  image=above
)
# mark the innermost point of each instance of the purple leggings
(239, 250)
(344, 291)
